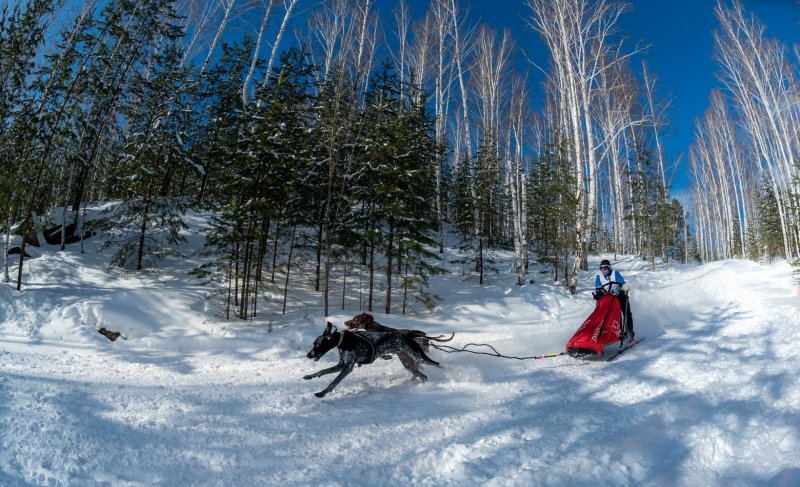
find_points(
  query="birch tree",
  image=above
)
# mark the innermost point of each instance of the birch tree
(756, 72)
(519, 115)
(289, 6)
(256, 53)
(326, 29)
(580, 35)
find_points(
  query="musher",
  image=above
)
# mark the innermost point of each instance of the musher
(619, 289)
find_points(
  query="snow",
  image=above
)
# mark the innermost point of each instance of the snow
(711, 397)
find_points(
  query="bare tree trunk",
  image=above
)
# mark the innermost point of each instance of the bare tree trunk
(227, 7)
(289, 4)
(402, 21)
(389, 270)
(288, 269)
(6, 243)
(256, 52)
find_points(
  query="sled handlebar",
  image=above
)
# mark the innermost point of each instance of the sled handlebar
(609, 284)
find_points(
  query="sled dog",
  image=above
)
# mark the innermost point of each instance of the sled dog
(363, 347)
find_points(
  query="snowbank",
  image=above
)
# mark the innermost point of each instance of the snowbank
(712, 397)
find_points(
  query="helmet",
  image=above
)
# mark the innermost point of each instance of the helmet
(605, 262)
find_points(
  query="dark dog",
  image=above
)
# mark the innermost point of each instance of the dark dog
(363, 347)
(366, 321)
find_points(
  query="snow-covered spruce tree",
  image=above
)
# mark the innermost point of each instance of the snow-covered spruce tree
(676, 231)
(22, 28)
(375, 157)
(262, 173)
(21, 35)
(402, 158)
(337, 132)
(770, 227)
(736, 242)
(460, 198)
(215, 143)
(279, 140)
(754, 246)
(665, 222)
(145, 223)
(647, 204)
(417, 260)
(486, 191)
(552, 207)
(47, 129)
(124, 38)
(217, 147)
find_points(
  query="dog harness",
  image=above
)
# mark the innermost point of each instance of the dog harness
(371, 345)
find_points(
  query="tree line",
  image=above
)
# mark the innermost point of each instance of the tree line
(745, 159)
(346, 153)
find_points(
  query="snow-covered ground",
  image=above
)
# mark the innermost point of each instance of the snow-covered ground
(711, 397)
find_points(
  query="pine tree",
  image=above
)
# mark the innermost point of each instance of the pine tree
(754, 244)
(461, 205)
(736, 242)
(338, 131)
(22, 29)
(552, 206)
(649, 204)
(263, 171)
(146, 224)
(487, 193)
(219, 147)
(676, 232)
(396, 183)
(284, 150)
(770, 224)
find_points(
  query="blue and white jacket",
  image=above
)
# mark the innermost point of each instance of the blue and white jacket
(600, 280)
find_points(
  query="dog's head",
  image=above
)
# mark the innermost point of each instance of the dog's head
(360, 322)
(324, 343)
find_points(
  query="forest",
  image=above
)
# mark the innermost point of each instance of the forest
(346, 140)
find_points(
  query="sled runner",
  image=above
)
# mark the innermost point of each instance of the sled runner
(601, 328)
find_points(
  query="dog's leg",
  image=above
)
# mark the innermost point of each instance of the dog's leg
(346, 369)
(408, 363)
(335, 368)
(429, 360)
(418, 349)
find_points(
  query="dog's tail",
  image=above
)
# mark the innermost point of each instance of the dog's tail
(440, 338)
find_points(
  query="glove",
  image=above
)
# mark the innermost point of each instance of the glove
(598, 294)
(626, 287)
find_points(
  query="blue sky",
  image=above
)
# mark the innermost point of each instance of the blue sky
(680, 54)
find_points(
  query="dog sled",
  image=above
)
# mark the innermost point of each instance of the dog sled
(602, 328)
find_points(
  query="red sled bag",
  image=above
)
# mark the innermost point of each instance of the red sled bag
(600, 328)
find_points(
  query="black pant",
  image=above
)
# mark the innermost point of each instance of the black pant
(626, 311)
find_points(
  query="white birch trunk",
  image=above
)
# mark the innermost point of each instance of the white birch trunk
(256, 53)
(290, 5)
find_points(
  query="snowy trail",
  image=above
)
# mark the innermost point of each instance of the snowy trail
(711, 398)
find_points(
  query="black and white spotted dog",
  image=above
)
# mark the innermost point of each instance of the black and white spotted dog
(363, 347)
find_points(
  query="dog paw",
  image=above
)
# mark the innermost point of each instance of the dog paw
(319, 394)
(308, 377)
